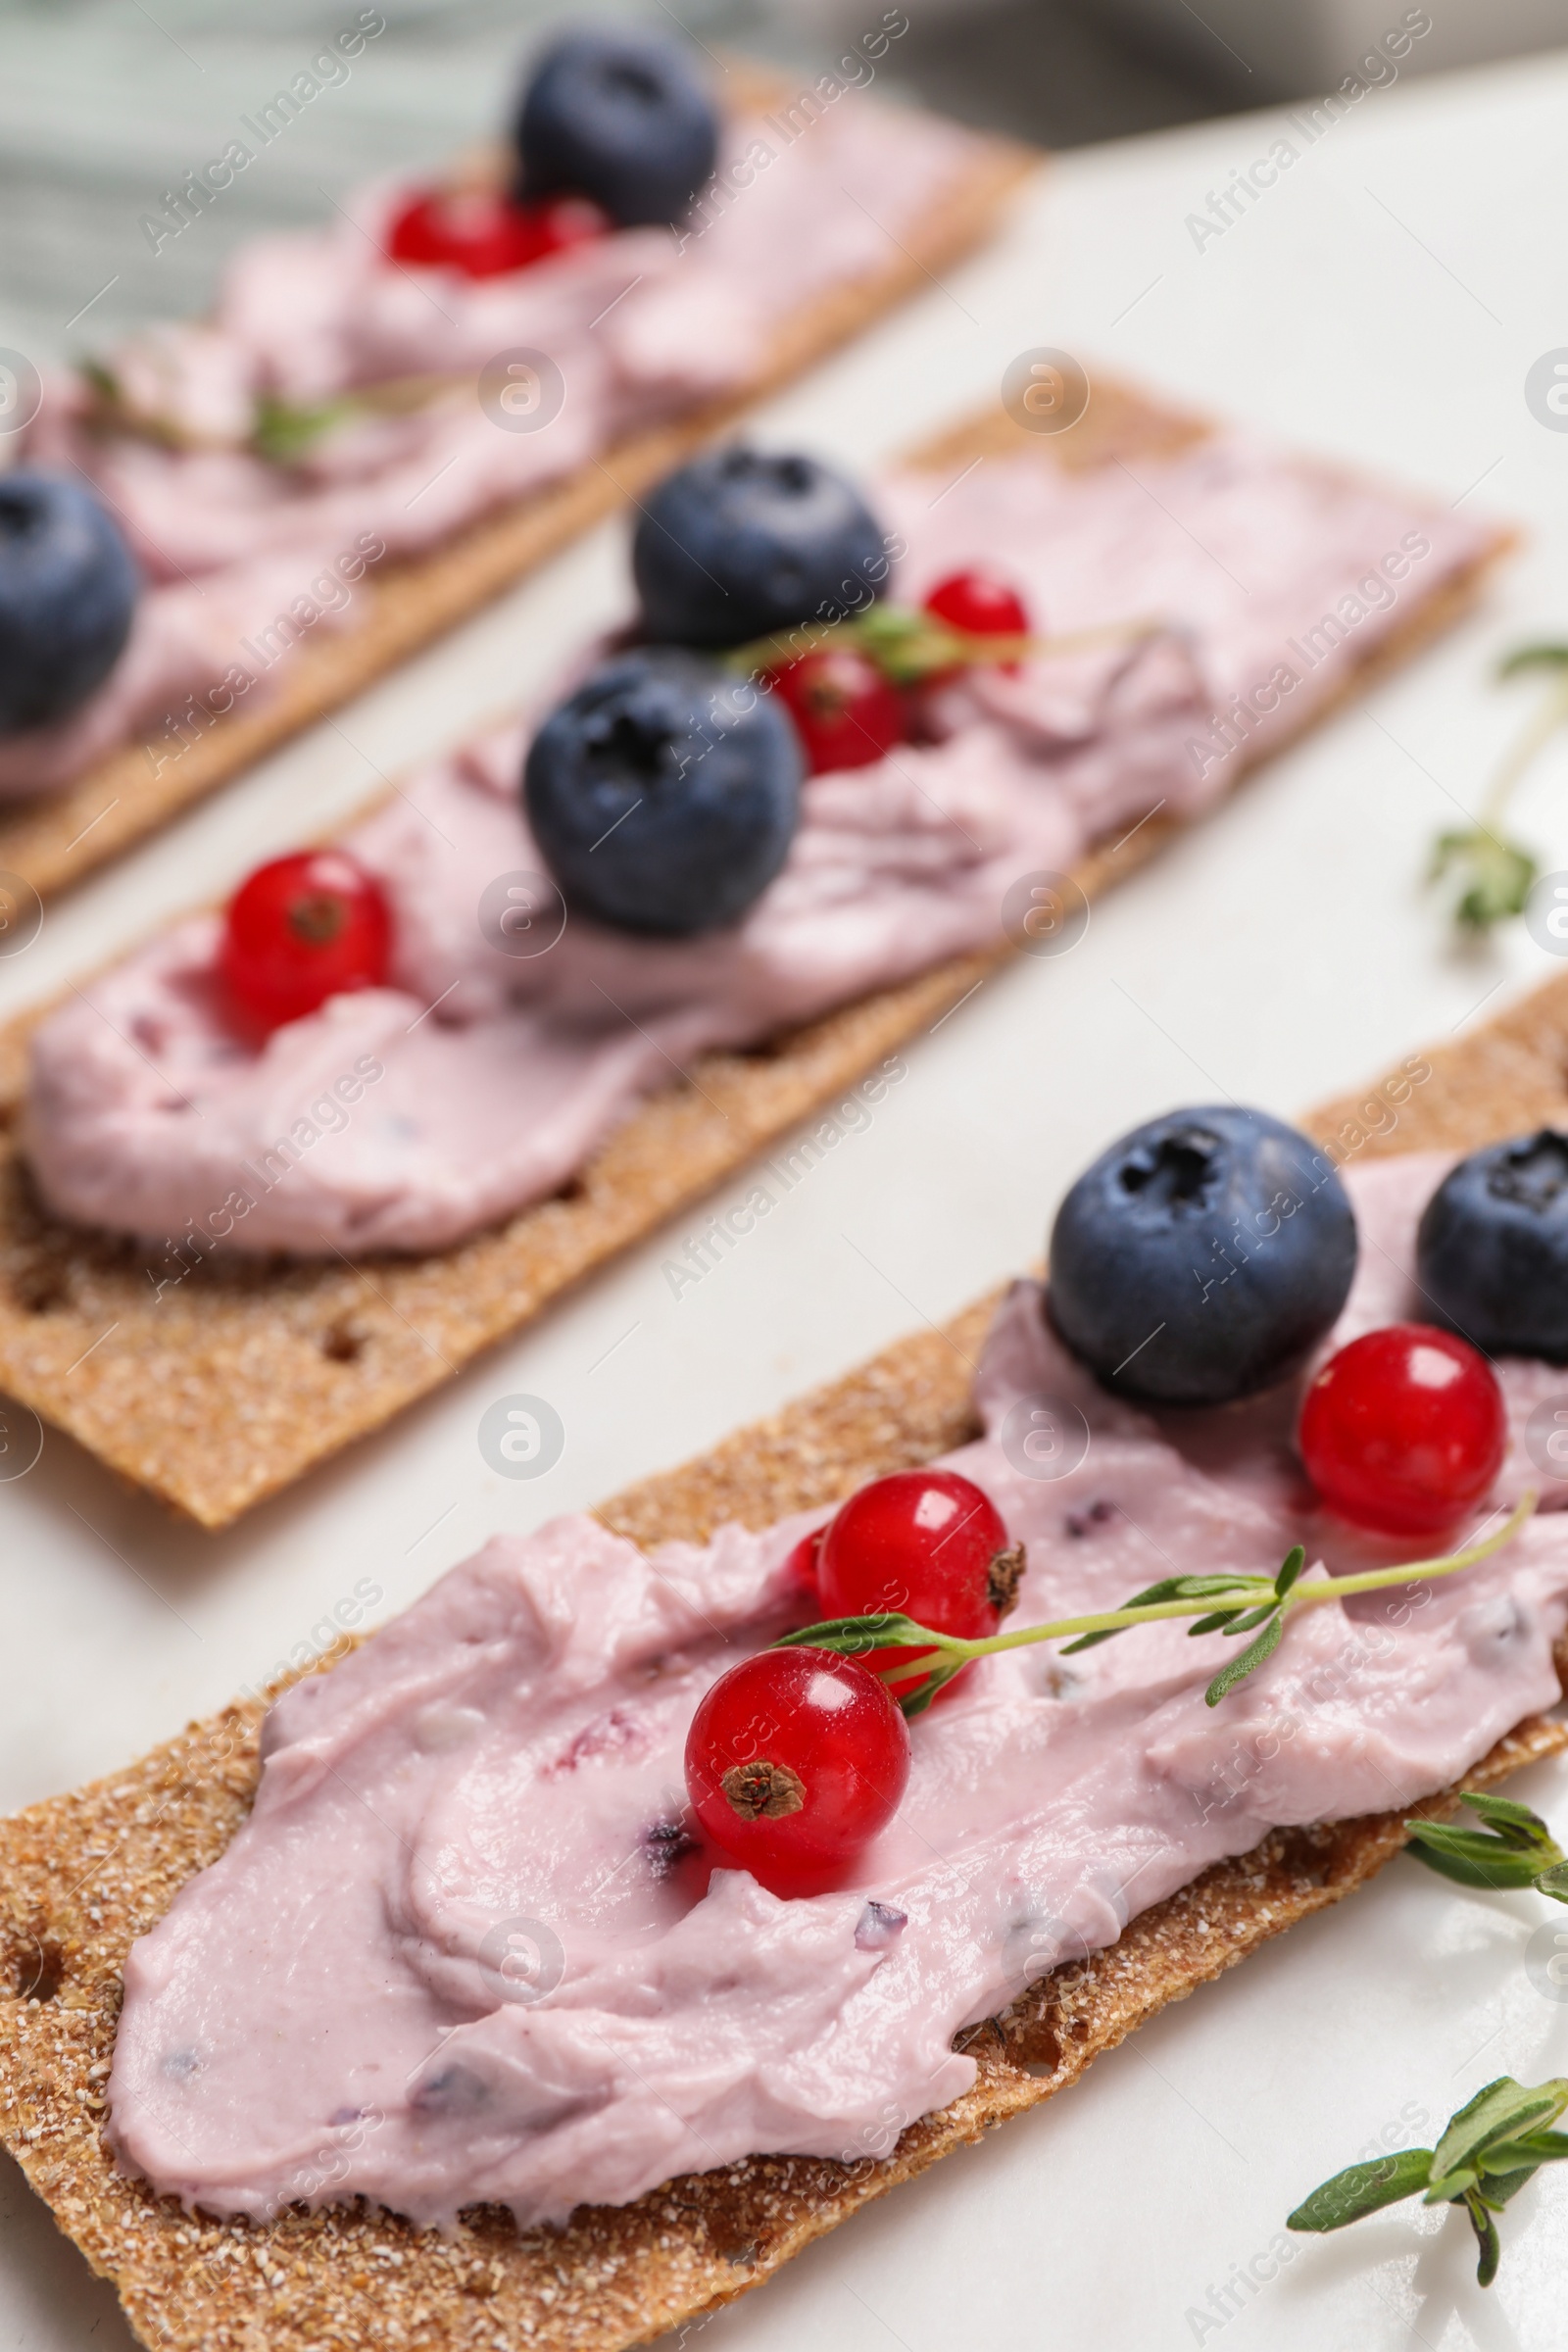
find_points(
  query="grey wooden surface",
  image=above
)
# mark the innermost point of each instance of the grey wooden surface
(106, 103)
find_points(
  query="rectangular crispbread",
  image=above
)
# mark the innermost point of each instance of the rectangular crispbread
(232, 1385)
(84, 1874)
(54, 840)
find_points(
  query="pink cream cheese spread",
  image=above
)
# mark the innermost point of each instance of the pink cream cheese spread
(640, 327)
(460, 1951)
(1237, 589)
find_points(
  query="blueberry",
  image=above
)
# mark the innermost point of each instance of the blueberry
(740, 543)
(68, 589)
(1200, 1256)
(665, 794)
(1491, 1250)
(618, 115)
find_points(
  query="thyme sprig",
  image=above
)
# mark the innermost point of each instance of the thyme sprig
(1518, 1850)
(1492, 873)
(1496, 2142)
(910, 645)
(283, 431)
(1500, 2139)
(1228, 1605)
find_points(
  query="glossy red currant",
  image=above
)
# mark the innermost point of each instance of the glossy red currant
(303, 929)
(929, 1543)
(980, 604)
(794, 1761)
(845, 713)
(1405, 1430)
(800, 1568)
(485, 234)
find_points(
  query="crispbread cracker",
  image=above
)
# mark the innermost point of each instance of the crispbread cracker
(234, 1383)
(84, 1874)
(57, 838)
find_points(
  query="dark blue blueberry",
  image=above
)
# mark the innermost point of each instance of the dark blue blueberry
(740, 543)
(68, 589)
(668, 1843)
(1492, 1252)
(617, 112)
(665, 794)
(1202, 1256)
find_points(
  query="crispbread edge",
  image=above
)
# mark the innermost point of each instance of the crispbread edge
(86, 1873)
(57, 838)
(236, 1382)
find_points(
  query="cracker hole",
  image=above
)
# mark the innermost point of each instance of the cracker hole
(341, 1344)
(40, 1968)
(574, 1189)
(1041, 2052)
(39, 1289)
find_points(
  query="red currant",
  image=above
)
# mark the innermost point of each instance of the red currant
(929, 1543)
(484, 234)
(303, 929)
(845, 713)
(800, 1566)
(980, 604)
(794, 1762)
(1405, 1430)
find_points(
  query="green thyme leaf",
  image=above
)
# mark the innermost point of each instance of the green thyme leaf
(916, 1700)
(284, 432)
(1216, 1622)
(853, 1637)
(1500, 2111)
(1493, 878)
(863, 1637)
(1499, 2189)
(1470, 1858)
(1252, 1656)
(1234, 1621)
(1554, 1881)
(1173, 1587)
(1485, 2229)
(1204, 1588)
(1533, 656)
(908, 645)
(1516, 1823)
(1517, 1851)
(1363, 2188)
(1251, 1618)
(1528, 2153)
(905, 644)
(102, 380)
(1293, 1562)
